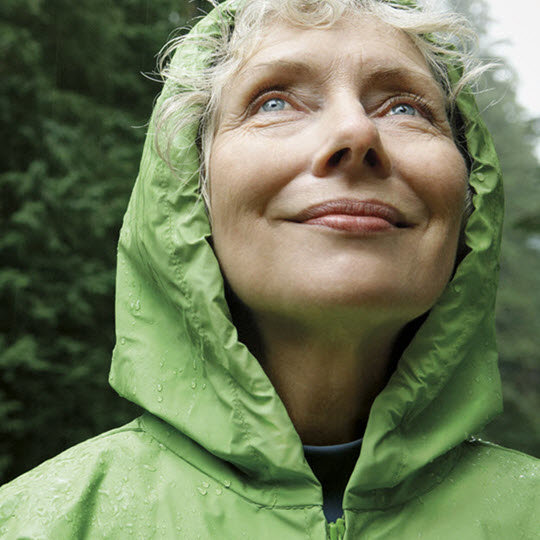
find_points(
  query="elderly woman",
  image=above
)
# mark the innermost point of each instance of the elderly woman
(305, 305)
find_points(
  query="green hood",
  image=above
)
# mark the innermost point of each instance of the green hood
(178, 354)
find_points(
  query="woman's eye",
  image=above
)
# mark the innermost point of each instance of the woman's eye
(273, 105)
(404, 108)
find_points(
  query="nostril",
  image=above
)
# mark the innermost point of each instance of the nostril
(371, 157)
(336, 157)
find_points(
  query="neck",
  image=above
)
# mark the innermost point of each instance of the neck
(326, 380)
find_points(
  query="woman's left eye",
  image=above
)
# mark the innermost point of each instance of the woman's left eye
(404, 108)
(273, 104)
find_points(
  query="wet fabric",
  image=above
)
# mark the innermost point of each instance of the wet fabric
(333, 465)
(215, 455)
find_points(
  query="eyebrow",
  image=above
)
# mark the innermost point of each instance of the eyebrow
(391, 74)
(291, 67)
(386, 76)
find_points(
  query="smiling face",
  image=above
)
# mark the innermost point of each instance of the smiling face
(336, 188)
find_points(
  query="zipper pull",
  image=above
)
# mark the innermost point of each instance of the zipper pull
(336, 530)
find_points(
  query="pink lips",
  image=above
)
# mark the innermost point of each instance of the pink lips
(353, 215)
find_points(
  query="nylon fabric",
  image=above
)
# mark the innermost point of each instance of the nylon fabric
(215, 455)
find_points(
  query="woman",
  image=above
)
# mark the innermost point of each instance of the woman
(357, 275)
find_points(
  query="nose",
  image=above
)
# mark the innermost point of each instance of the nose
(351, 143)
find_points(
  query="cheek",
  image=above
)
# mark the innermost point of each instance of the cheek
(227, 187)
(246, 172)
(437, 173)
(237, 202)
(438, 177)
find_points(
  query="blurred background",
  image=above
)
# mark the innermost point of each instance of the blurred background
(73, 108)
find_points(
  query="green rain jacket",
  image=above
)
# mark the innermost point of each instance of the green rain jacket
(215, 455)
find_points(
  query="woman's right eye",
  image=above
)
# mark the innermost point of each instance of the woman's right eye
(273, 105)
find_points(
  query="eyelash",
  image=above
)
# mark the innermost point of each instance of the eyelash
(412, 99)
(262, 94)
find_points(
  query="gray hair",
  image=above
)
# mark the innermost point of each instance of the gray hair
(444, 38)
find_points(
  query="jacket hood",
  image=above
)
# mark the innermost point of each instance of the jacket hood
(178, 354)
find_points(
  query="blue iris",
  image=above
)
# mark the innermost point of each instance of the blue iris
(273, 104)
(403, 108)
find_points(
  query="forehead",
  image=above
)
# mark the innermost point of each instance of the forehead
(361, 43)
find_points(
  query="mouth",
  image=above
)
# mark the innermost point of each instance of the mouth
(352, 215)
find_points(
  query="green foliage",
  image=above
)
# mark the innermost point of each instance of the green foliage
(71, 92)
(518, 305)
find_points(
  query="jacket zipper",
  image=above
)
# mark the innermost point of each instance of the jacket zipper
(336, 530)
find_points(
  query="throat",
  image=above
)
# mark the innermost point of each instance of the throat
(327, 386)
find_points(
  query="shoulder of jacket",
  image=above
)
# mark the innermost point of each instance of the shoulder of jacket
(76, 456)
(60, 487)
(487, 451)
(500, 469)
(492, 491)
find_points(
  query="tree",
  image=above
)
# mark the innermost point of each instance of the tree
(72, 93)
(518, 305)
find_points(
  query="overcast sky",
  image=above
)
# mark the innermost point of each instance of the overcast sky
(518, 22)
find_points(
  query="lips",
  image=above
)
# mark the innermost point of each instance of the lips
(353, 215)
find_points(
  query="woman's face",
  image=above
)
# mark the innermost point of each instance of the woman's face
(335, 183)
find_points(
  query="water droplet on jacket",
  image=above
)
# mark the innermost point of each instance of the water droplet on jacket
(160, 399)
(161, 364)
(219, 491)
(123, 341)
(193, 384)
(203, 386)
(137, 305)
(202, 491)
(149, 467)
(159, 387)
(227, 483)
(480, 176)
(457, 288)
(206, 484)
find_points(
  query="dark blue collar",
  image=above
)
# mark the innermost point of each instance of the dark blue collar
(333, 465)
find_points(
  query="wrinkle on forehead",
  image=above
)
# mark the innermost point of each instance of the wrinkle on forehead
(270, 46)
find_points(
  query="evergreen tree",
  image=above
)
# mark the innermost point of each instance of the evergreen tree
(71, 95)
(518, 305)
